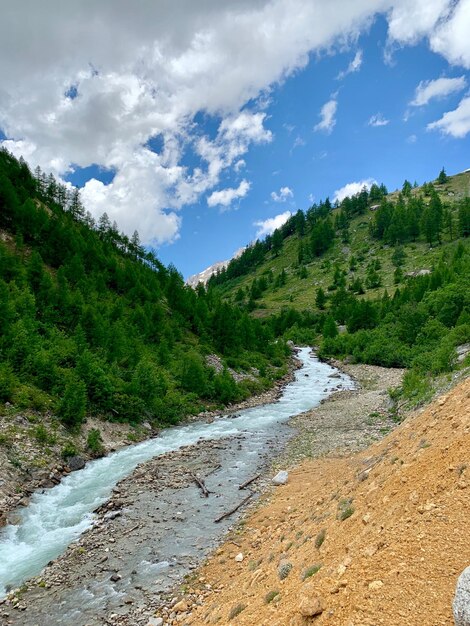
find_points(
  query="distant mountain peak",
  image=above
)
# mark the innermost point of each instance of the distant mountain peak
(204, 276)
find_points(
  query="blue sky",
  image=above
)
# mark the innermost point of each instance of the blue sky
(219, 146)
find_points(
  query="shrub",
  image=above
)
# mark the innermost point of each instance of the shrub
(94, 442)
(236, 610)
(345, 509)
(69, 450)
(311, 571)
(270, 596)
(320, 538)
(42, 435)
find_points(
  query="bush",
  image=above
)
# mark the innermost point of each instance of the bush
(320, 538)
(270, 596)
(236, 610)
(311, 571)
(42, 435)
(69, 450)
(94, 442)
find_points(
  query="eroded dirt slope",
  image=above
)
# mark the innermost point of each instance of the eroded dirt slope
(392, 560)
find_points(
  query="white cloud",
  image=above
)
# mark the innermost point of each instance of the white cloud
(412, 139)
(327, 116)
(240, 164)
(354, 66)
(266, 227)
(167, 67)
(451, 37)
(378, 120)
(455, 123)
(351, 189)
(284, 194)
(439, 88)
(225, 197)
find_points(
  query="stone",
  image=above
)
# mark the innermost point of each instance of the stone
(281, 478)
(311, 602)
(76, 463)
(180, 606)
(239, 557)
(461, 603)
(375, 585)
(155, 621)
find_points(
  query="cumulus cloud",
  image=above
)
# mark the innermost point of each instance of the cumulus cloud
(267, 227)
(351, 189)
(284, 194)
(168, 67)
(455, 123)
(439, 88)
(354, 66)
(327, 116)
(378, 120)
(225, 197)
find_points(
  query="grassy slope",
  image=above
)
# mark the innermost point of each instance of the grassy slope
(300, 293)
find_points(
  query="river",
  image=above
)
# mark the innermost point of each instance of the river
(57, 517)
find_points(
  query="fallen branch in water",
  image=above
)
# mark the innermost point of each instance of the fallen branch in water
(232, 511)
(202, 486)
(249, 481)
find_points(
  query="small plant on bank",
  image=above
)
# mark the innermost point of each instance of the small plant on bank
(311, 571)
(270, 596)
(284, 570)
(94, 442)
(345, 509)
(69, 450)
(320, 538)
(236, 610)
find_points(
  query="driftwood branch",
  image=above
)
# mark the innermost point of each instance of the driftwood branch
(232, 511)
(249, 481)
(202, 486)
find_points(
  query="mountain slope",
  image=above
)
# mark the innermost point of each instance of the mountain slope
(92, 323)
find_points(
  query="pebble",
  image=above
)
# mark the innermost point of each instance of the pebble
(239, 557)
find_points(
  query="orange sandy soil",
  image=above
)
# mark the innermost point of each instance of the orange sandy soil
(394, 561)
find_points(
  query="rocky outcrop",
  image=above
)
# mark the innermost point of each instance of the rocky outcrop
(461, 604)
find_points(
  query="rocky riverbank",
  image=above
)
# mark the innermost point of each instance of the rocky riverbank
(36, 451)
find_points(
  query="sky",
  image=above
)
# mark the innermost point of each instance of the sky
(204, 125)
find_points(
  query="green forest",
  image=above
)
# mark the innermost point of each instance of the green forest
(380, 278)
(93, 323)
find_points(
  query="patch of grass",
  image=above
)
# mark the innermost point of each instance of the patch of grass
(236, 610)
(320, 538)
(270, 596)
(311, 571)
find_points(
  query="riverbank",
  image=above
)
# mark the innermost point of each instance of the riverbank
(32, 445)
(373, 538)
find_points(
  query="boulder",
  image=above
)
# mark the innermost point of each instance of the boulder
(461, 604)
(281, 478)
(76, 463)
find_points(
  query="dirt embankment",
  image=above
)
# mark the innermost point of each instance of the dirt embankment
(367, 539)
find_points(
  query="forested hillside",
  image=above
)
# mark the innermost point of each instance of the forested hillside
(381, 278)
(91, 322)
